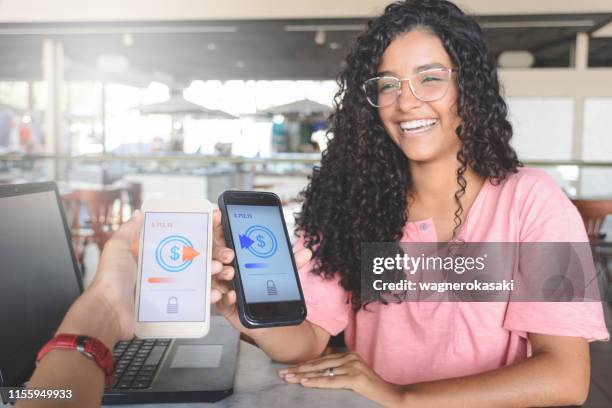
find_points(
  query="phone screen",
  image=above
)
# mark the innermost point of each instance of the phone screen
(173, 277)
(262, 253)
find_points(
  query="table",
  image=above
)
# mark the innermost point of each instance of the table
(258, 385)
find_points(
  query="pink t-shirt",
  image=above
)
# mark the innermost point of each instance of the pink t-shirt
(413, 342)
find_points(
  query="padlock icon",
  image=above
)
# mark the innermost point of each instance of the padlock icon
(271, 286)
(172, 306)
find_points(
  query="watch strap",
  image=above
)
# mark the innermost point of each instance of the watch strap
(89, 346)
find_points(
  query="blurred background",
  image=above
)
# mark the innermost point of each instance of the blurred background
(122, 100)
(119, 101)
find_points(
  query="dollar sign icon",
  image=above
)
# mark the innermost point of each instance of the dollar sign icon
(175, 253)
(260, 241)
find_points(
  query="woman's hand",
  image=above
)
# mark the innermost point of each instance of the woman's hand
(345, 370)
(223, 294)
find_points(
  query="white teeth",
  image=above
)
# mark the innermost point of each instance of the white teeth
(413, 124)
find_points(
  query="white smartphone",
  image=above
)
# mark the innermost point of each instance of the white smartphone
(174, 261)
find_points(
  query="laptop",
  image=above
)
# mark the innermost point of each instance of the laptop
(40, 279)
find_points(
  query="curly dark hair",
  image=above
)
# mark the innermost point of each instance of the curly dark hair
(360, 191)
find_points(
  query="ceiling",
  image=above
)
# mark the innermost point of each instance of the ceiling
(263, 49)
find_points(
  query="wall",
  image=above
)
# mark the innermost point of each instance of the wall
(168, 10)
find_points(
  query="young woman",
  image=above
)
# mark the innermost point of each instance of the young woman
(421, 153)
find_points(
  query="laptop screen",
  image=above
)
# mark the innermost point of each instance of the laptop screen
(38, 279)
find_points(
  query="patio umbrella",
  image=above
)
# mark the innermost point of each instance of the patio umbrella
(303, 106)
(179, 106)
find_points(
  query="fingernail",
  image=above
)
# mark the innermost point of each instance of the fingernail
(304, 380)
(283, 371)
(290, 375)
(226, 253)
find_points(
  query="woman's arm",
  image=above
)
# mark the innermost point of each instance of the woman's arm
(307, 341)
(556, 375)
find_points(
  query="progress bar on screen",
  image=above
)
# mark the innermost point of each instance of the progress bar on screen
(255, 265)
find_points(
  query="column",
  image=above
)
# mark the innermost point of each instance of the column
(53, 74)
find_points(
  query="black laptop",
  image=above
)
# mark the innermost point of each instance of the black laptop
(39, 280)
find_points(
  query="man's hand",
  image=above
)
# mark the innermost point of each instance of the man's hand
(115, 280)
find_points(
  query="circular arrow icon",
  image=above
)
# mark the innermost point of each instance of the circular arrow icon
(175, 253)
(259, 241)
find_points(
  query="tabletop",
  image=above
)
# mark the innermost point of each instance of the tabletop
(258, 385)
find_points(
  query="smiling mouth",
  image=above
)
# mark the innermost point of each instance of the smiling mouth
(414, 127)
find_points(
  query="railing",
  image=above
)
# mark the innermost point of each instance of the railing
(578, 178)
(301, 158)
(281, 158)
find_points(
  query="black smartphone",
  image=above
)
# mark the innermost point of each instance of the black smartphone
(266, 280)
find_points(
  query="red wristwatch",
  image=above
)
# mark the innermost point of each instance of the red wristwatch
(89, 346)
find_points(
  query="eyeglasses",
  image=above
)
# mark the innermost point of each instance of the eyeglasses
(426, 86)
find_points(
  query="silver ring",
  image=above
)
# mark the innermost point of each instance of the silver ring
(330, 372)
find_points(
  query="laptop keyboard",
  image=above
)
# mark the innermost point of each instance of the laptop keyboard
(137, 361)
